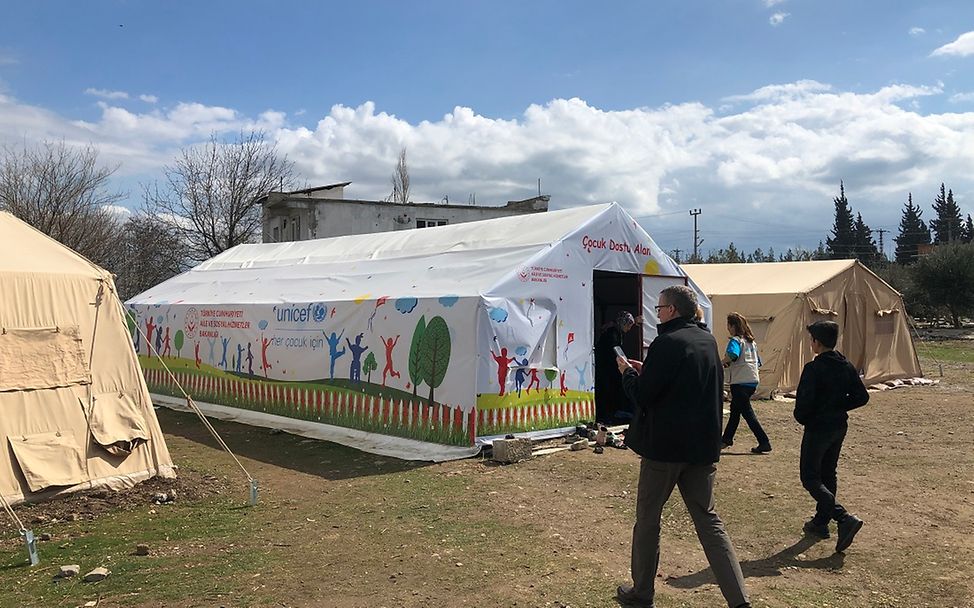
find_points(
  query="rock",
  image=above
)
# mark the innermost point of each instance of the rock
(69, 571)
(511, 450)
(44, 536)
(98, 574)
(581, 444)
(141, 549)
(73, 517)
(40, 519)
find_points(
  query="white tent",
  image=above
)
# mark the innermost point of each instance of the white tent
(419, 343)
(75, 412)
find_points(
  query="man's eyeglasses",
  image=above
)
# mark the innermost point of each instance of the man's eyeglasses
(662, 306)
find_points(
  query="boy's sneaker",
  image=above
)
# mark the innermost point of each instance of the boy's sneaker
(761, 449)
(814, 529)
(848, 528)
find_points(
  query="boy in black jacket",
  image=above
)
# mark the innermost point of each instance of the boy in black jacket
(829, 387)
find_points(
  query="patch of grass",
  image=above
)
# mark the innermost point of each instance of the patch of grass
(193, 554)
(955, 351)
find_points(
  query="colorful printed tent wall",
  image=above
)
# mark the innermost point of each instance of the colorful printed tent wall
(418, 343)
(75, 412)
(780, 299)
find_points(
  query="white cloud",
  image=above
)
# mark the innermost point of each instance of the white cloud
(106, 94)
(770, 3)
(777, 152)
(961, 97)
(917, 31)
(118, 211)
(777, 19)
(148, 98)
(789, 90)
(962, 47)
(7, 58)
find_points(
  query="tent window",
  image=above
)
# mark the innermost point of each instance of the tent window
(41, 358)
(277, 234)
(48, 459)
(117, 423)
(885, 325)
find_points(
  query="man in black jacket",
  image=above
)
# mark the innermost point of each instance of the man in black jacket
(676, 429)
(829, 387)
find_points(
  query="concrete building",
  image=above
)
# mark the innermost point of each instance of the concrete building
(323, 211)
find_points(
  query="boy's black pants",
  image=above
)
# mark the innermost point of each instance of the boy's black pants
(819, 459)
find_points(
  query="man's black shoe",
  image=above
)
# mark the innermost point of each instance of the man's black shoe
(627, 596)
(819, 530)
(725, 444)
(761, 449)
(848, 528)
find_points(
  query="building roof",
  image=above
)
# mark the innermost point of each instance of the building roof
(765, 277)
(319, 188)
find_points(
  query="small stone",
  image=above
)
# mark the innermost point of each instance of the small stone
(98, 574)
(91, 604)
(69, 571)
(73, 517)
(44, 536)
(141, 549)
(159, 497)
(40, 519)
(581, 444)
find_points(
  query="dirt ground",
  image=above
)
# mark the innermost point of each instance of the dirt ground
(336, 527)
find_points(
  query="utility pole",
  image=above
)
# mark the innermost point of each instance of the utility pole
(676, 255)
(696, 234)
(882, 250)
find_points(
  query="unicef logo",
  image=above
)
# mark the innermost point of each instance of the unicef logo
(319, 312)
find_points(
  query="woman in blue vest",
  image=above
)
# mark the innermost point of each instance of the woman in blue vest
(742, 362)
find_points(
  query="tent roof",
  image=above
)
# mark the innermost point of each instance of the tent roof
(459, 259)
(24, 249)
(765, 277)
(519, 231)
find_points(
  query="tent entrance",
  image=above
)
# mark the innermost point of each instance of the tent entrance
(613, 292)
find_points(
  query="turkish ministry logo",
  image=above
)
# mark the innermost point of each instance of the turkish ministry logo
(190, 322)
(523, 274)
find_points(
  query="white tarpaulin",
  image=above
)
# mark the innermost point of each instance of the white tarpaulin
(440, 335)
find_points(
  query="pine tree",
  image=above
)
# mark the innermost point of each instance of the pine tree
(913, 232)
(968, 236)
(948, 224)
(865, 247)
(842, 243)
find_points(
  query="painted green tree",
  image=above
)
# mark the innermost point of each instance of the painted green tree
(434, 355)
(550, 375)
(415, 351)
(178, 341)
(369, 366)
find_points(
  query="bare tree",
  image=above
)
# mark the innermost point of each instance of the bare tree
(62, 191)
(150, 251)
(400, 180)
(211, 192)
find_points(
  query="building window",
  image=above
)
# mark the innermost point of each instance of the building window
(296, 228)
(420, 223)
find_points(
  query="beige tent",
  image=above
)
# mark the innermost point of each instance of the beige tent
(74, 409)
(780, 298)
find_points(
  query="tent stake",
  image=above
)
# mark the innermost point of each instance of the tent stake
(31, 543)
(253, 492)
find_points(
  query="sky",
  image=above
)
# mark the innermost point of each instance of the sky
(750, 110)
